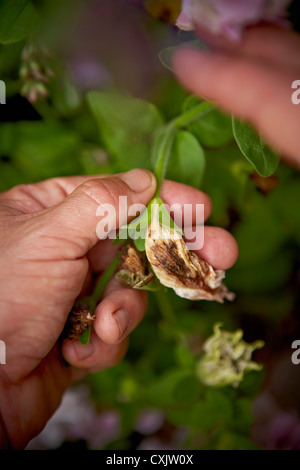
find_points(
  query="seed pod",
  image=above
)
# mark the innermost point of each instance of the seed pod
(182, 270)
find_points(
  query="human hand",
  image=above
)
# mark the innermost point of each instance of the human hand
(252, 80)
(49, 255)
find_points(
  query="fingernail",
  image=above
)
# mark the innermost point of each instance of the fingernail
(139, 180)
(84, 351)
(121, 317)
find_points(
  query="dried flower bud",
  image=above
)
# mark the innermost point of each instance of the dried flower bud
(177, 267)
(134, 269)
(227, 357)
(35, 72)
(79, 320)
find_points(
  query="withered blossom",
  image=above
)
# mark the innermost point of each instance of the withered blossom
(134, 269)
(79, 320)
(227, 357)
(180, 269)
(35, 72)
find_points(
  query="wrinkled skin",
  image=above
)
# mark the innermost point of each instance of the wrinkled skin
(50, 253)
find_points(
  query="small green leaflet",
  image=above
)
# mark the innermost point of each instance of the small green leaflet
(164, 217)
(137, 229)
(264, 160)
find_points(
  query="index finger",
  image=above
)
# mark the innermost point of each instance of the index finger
(254, 91)
(267, 43)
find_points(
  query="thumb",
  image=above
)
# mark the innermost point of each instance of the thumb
(73, 222)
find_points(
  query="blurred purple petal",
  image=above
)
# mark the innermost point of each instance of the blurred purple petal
(110, 44)
(230, 17)
(149, 421)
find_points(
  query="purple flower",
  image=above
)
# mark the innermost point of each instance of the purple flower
(230, 17)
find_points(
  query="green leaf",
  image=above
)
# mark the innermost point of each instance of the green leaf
(140, 244)
(185, 357)
(18, 19)
(44, 150)
(212, 130)
(264, 160)
(40, 150)
(126, 125)
(136, 230)
(233, 441)
(187, 161)
(188, 389)
(162, 391)
(213, 411)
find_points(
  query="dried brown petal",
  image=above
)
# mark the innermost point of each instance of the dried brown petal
(78, 321)
(181, 269)
(134, 269)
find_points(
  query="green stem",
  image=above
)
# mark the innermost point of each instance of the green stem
(165, 141)
(106, 276)
(163, 154)
(165, 307)
(93, 300)
(193, 114)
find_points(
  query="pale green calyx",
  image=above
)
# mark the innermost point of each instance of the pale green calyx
(227, 357)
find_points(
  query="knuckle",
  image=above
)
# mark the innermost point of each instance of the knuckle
(24, 198)
(106, 190)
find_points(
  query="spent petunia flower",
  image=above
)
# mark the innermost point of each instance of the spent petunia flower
(179, 268)
(227, 358)
(228, 18)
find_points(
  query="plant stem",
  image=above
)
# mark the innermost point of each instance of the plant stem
(165, 141)
(193, 114)
(92, 300)
(163, 154)
(165, 307)
(106, 276)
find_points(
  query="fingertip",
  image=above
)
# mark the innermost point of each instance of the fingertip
(174, 193)
(119, 313)
(220, 248)
(96, 355)
(111, 322)
(139, 180)
(76, 353)
(187, 63)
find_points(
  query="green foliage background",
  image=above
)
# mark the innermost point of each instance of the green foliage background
(107, 131)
